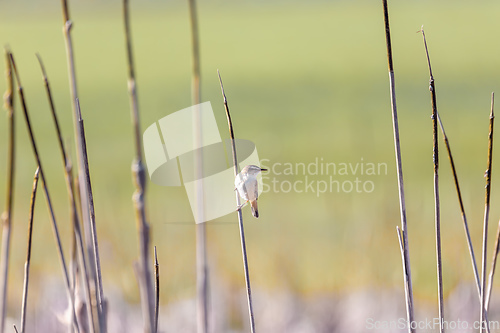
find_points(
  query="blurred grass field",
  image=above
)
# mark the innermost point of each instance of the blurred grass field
(304, 80)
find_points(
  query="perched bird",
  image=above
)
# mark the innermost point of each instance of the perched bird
(247, 186)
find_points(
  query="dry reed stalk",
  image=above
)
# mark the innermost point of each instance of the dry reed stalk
(28, 251)
(102, 304)
(88, 221)
(492, 269)
(462, 209)
(464, 216)
(46, 193)
(435, 157)
(240, 214)
(201, 234)
(139, 177)
(7, 214)
(78, 246)
(487, 174)
(157, 291)
(399, 166)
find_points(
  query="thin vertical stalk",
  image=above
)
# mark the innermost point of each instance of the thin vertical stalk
(73, 271)
(486, 217)
(195, 82)
(493, 268)
(462, 209)
(88, 222)
(157, 291)
(28, 252)
(240, 214)
(437, 216)
(90, 293)
(134, 105)
(399, 167)
(401, 248)
(201, 237)
(90, 199)
(139, 177)
(464, 216)
(7, 215)
(46, 192)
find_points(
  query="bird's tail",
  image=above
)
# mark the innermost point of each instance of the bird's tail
(255, 211)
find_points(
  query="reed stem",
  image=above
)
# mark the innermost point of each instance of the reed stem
(462, 209)
(101, 303)
(157, 291)
(88, 223)
(139, 177)
(493, 269)
(9, 199)
(240, 214)
(399, 167)
(90, 293)
(487, 174)
(437, 207)
(201, 234)
(28, 252)
(46, 192)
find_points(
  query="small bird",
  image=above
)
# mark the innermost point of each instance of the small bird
(247, 186)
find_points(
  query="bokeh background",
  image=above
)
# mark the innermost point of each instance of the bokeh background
(305, 80)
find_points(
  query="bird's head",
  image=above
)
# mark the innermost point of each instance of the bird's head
(253, 169)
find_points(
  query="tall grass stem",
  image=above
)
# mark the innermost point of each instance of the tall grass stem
(202, 275)
(46, 192)
(28, 252)
(6, 217)
(486, 217)
(437, 206)
(399, 167)
(88, 223)
(139, 177)
(157, 291)
(240, 214)
(90, 293)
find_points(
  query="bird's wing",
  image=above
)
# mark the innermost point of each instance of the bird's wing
(256, 190)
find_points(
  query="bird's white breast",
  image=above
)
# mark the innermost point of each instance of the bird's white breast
(246, 186)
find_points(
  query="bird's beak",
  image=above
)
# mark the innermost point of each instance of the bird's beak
(263, 169)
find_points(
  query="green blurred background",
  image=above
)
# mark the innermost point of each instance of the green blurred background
(304, 80)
